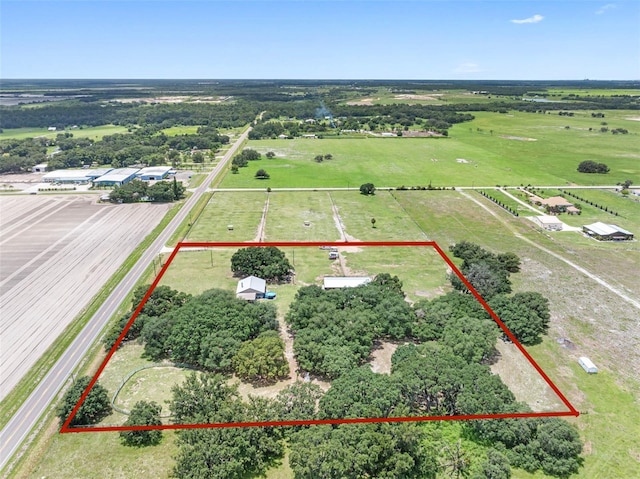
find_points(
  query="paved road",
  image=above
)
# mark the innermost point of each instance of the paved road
(30, 412)
(357, 188)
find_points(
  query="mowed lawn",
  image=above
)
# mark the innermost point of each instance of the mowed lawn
(506, 149)
(243, 211)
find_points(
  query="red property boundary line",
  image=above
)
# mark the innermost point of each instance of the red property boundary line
(571, 410)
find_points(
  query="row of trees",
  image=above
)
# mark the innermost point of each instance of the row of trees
(159, 192)
(143, 146)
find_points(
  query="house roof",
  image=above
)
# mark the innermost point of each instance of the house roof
(604, 229)
(331, 282)
(251, 284)
(548, 220)
(556, 201)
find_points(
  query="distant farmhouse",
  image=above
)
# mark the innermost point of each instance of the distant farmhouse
(555, 204)
(605, 232)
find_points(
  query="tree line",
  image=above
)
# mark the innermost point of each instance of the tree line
(442, 369)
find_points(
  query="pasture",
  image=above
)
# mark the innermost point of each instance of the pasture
(93, 132)
(494, 149)
(580, 307)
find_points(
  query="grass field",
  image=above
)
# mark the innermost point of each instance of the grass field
(504, 149)
(93, 132)
(608, 401)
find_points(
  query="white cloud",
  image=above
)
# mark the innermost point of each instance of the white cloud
(534, 19)
(604, 8)
(468, 68)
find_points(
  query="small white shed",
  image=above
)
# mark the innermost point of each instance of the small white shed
(587, 365)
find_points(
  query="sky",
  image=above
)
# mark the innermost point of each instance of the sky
(325, 39)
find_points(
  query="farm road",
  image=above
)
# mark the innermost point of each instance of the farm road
(45, 392)
(582, 270)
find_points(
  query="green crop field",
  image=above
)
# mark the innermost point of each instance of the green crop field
(93, 132)
(504, 149)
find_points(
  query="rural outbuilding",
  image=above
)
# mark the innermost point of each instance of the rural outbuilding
(41, 168)
(333, 282)
(549, 223)
(606, 232)
(587, 365)
(250, 288)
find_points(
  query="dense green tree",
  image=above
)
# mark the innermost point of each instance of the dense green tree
(335, 329)
(485, 279)
(495, 467)
(269, 263)
(161, 300)
(557, 446)
(162, 191)
(197, 157)
(367, 189)
(433, 316)
(470, 338)
(360, 393)
(131, 192)
(94, 408)
(262, 174)
(509, 262)
(589, 166)
(262, 359)
(223, 453)
(298, 401)
(143, 414)
(525, 314)
(361, 450)
(430, 377)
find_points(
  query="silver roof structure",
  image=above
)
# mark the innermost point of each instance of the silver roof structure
(604, 229)
(332, 282)
(117, 175)
(251, 284)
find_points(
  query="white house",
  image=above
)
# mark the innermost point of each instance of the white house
(250, 288)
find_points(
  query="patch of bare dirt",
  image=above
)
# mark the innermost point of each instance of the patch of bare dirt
(421, 134)
(380, 359)
(518, 138)
(364, 101)
(432, 97)
(523, 380)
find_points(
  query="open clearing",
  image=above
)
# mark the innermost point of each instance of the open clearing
(57, 251)
(552, 159)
